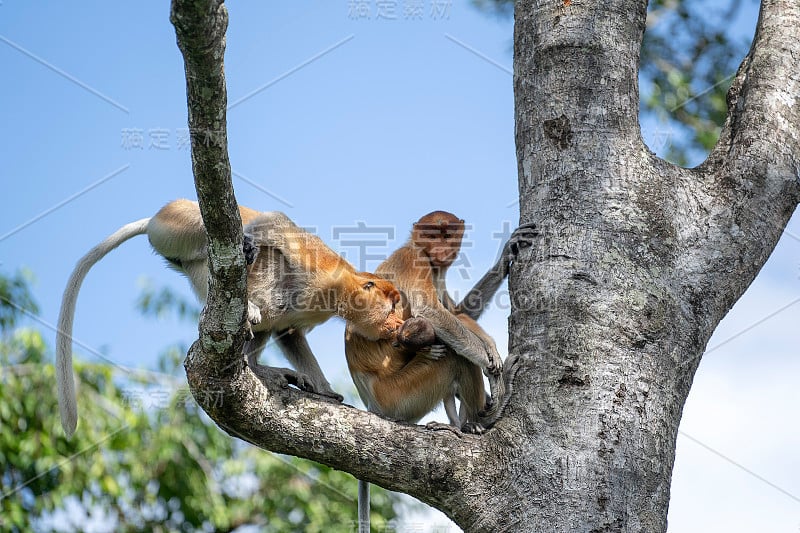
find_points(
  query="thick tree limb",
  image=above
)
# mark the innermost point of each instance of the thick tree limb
(746, 191)
(400, 457)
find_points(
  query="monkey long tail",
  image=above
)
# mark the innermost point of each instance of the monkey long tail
(67, 403)
(500, 389)
(363, 506)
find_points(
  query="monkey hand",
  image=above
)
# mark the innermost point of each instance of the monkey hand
(434, 352)
(521, 238)
(253, 313)
(250, 249)
(495, 366)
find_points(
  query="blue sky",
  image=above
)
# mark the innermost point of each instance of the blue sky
(340, 119)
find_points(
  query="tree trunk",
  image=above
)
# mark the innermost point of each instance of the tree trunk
(637, 263)
(639, 260)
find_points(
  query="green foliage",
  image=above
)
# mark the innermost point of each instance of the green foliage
(15, 298)
(160, 302)
(688, 60)
(144, 458)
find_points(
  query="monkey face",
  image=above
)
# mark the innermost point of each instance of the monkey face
(442, 245)
(372, 304)
(439, 234)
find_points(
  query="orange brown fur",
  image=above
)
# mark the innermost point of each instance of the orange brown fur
(294, 283)
(406, 387)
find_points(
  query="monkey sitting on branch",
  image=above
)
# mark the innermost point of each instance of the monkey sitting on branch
(401, 384)
(440, 350)
(294, 282)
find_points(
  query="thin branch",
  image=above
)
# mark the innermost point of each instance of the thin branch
(200, 27)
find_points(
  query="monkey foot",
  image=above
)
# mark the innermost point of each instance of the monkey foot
(324, 391)
(475, 428)
(282, 377)
(439, 426)
(332, 395)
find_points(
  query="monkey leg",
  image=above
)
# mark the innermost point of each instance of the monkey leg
(471, 392)
(497, 387)
(254, 347)
(450, 409)
(295, 348)
(281, 377)
(499, 402)
(250, 250)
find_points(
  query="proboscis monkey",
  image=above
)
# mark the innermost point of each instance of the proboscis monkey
(414, 335)
(294, 282)
(406, 387)
(401, 387)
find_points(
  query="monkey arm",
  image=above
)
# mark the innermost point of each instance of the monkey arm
(470, 336)
(477, 299)
(451, 331)
(409, 269)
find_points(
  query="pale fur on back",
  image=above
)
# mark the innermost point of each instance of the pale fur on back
(67, 403)
(286, 281)
(177, 232)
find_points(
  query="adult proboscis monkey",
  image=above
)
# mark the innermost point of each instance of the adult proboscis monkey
(294, 281)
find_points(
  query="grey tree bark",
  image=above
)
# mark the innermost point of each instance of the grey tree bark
(637, 263)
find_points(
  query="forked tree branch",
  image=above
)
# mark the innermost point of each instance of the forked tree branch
(400, 457)
(743, 195)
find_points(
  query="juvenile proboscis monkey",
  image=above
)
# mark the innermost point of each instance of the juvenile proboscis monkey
(294, 282)
(414, 335)
(397, 383)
